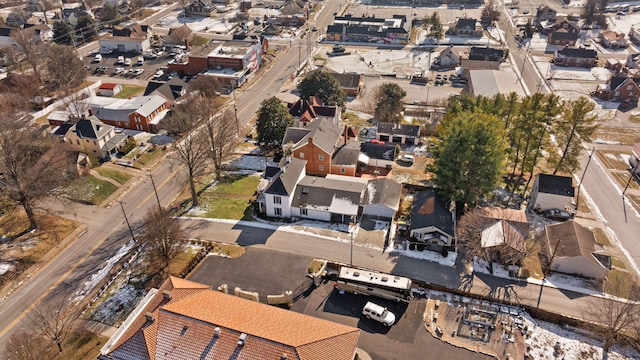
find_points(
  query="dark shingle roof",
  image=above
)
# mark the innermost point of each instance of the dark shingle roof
(486, 53)
(171, 90)
(346, 154)
(564, 35)
(578, 53)
(430, 209)
(398, 129)
(328, 194)
(91, 128)
(466, 23)
(324, 133)
(555, 184)
(62, 129)
(574, 240)
(349, 80)
(379, 151)
(285, 182)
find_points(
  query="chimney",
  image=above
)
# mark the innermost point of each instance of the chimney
(166, 294)
(242, 339)
(149, 316)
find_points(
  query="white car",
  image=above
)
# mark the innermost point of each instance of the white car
(97, 58)
(158, 74)
(120, 60)
(127, 62)
(379, 314)
(407, 159)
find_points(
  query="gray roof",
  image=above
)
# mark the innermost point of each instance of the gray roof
(491, 82)
(294, 135)
(383, 191)
(324, 134)
(398, 129)
(430, 209)
(379, 151)
(171, 90)
(114, 141)
(346, 154)
(556, 184)
(120, 110)
(91, 128)
(333, 195)
(284, 183)
(466, 23)
(578, 53)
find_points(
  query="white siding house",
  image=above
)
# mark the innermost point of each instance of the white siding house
(552, 192)
(125, 44)
(278, 196)
(431, 221)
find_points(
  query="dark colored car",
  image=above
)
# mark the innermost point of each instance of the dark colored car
(557, 215)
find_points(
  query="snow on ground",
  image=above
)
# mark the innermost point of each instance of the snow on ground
(4, 267)
(606, 142)
(570, 343)
(428, 255)
(580, 74)
(100, 274)
(222, 23)
(117, 307)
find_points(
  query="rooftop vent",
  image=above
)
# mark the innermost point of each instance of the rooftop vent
(283, 357)
(166, 295)
(242, 339)
(216, 332)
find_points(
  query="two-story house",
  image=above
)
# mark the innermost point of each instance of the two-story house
(91, 136)
(482, 58)
(319, 144)
(576, 57)
(467, 27)
(200, 8)
(613, 39)
(139, 113)
(277, 197)
(621, 87)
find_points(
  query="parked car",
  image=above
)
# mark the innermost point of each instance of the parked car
(97, 58)
(127, 62)
(378, 313)
(407, 159)
(314, 28)
(120, 60)
(557, 215)
(158, 74)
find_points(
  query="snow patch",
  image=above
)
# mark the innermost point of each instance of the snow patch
(428, 255)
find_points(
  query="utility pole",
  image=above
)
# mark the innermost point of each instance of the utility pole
(544, 278)
(235, 108)
(127, 220)
(154, 190)
(582, 178)
(351, 224)
(633, 172)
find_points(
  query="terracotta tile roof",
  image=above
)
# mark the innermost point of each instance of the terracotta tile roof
(184, 327)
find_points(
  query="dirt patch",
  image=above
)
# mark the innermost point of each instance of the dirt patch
(623, 135)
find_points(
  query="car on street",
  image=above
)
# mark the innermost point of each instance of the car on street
(314, 28)
(378, 313)
(525, 12)
(557, 214)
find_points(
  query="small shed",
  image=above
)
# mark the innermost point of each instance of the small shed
(109, 89)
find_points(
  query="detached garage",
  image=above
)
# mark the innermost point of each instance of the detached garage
(125, 44)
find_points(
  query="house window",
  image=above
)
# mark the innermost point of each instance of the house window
(303, 212)
(277, 200)
(95, 142)
(628, 87)
(301, 155)
(617, 93)
(277, 211)
(343, 170)
(77, 141)
(139, 127)
(631, 93)
(321, 157)
(321, 168)
(137, 119)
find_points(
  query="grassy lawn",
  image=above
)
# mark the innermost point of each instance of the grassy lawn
(129, 90)
(148, 158)
(199, 40)
(617, 263)
(89, 189)
(314, 266)
(532, 262)
(82, 345)
(182, 261)
(236, 209)
(236, 185)
(116, 175)
(601, 237)
(618, 283)
(230, 250)
(355, 120)
(634, 118)
(612, 159)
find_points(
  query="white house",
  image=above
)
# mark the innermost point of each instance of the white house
(278, 195)
(377, 155)
(431, 221)
(125, 44)
(552, 192)
(327, 199)
(382, 199)
(574, 251)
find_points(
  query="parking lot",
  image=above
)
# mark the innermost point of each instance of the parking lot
(110, 66)
(407, 339)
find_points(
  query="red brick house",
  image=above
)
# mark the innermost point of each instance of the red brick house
(621, 87)
(304, 111)
(139, 113)
(325, 146)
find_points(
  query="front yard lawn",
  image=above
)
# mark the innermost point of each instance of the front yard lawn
(116, 175)
(129, 90)
(90, 190)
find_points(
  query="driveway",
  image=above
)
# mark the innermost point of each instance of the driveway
(407, 339)
(268, 272)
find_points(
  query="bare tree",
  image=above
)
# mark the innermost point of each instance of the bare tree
(193, 152)
(222, 137)
(617, 318)
(30, 47)
(64, 69)
(23, 345)
(31, 164)
(206, 86)
(162, 236)
(53, 319)
(178, 35)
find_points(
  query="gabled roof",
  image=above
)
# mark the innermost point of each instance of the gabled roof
(544, 10)
(555, 184)
(171, 90)
(578, 53)
(563, 34)
(486, 54)
(108, 86)
(466, 24)
(504, 227)
(346, 154)
(398, 129)
(430, 209)
(294, 135)
(323, 133)
(379, 151)
(63, 129)
(350, 80)
(619, 80)
(284, 182)
(383, 191)
(91, 128)
(200, 323)
(329, 195)
(573, 240)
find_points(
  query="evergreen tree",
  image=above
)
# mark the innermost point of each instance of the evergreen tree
(63, 33)
(323, 85)
(574, 125)
(86, 28)
(273, 120)
(468, 160)
(389, 105)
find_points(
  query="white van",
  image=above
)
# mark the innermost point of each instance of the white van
(97, 58)
(140, 61)
(379, 314)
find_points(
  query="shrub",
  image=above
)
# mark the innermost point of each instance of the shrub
(130, 145)
(524, 273)
(444, 252)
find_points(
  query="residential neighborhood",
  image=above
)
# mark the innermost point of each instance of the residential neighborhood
(311, 179)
